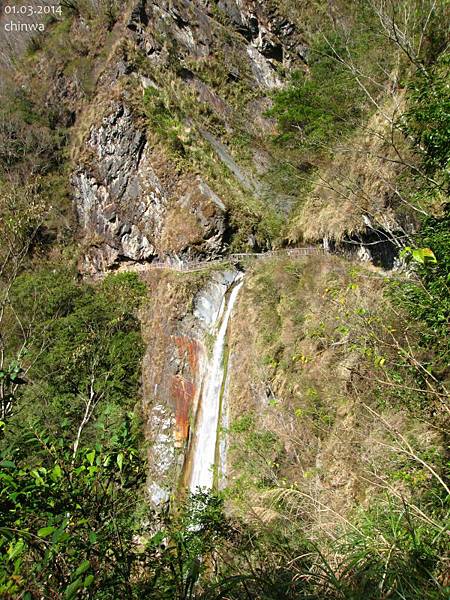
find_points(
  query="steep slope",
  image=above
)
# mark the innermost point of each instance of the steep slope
(155, 176)
(146, 150)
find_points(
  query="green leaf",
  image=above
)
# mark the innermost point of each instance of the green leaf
(15, 550)
(428, 255)
(92, 537)
(88, 580)
(45, 531)
(56, 472)
(91, 457)
(60, 534)
(73, 588)
(8, 464)
(85, 565)
(120, 460)
(419, 255)
(157, 539)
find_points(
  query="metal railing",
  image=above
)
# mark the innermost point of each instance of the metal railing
(191, 266)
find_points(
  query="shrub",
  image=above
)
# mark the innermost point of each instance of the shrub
(428, 300)
(317, 108)
(83, 350)
(427, 120)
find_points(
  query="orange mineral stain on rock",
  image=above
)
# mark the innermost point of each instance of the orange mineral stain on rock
(183, 386)
(188, 349)
(183, 393)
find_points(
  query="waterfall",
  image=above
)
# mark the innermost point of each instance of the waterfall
(203, 456)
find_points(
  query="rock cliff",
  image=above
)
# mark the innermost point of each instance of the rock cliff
(137, 201)
(179, 328)
(127, 211)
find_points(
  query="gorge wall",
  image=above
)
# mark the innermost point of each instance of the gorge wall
(224, 308)
(159, 176)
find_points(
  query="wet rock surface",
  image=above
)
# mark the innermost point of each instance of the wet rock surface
(178, 334)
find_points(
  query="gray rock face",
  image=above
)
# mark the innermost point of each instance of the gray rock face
(274, 37)
(193, 29)
(208, 301)
(124, 210)
(119, 199)
(262, 70)
(174, 369)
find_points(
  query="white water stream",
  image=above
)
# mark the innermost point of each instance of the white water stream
(203, 457)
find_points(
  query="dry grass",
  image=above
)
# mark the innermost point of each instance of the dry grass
(358, 187)
(181, 231)
(305, 367)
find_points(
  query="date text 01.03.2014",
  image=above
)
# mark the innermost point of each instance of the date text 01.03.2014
(28, 10)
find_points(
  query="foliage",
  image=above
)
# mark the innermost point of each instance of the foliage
(428, 300)
(326, 102)
(317, 108)
(427, 119)
(107, 11)
(419, 255)
(184, 544)
(10, 379)
(392, 552)
(71, 516)
(359, 64)
(65, 522)
(83, 348)
(426, 122)
(31, 137)
(23, 211)
(68, 527)
(387, 552)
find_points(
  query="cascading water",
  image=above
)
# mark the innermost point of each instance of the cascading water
(203, 456)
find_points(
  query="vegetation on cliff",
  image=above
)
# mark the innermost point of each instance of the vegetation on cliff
(338, 132)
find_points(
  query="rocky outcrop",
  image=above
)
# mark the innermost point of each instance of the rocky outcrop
(273, 36)
(126, 212)
(118, 198)
(193, 29)
(178, 330)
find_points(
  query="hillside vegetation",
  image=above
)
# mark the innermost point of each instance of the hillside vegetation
(323, 122)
